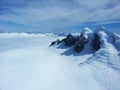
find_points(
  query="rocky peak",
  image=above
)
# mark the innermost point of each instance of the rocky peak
(96, 40)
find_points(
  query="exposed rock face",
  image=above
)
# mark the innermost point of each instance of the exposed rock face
(79, 46)
(96, 42)
(55, 42)
(70, 40)
(80, 43)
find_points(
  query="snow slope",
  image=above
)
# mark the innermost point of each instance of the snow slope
(106, 65)
(27, 63)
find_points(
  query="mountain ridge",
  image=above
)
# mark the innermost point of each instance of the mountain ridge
(96, 39)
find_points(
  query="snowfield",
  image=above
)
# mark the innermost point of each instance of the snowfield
(28, 63)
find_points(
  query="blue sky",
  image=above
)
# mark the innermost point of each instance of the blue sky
(59, 15)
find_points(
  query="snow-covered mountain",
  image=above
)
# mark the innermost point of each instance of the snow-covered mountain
(95, 39)
(88, 60)
(105, 49)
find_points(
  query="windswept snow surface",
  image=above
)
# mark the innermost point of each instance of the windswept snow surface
(27, 63)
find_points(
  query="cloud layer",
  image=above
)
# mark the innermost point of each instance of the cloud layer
(51, 15)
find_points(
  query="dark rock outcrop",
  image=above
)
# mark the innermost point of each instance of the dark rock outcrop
(96, 42)
(55, 42)
(70, 40)
(80, 43)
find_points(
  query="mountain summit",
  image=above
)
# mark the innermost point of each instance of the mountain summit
(99, 38)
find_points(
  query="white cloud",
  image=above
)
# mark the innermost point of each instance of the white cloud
(88, 4)
(56, 14)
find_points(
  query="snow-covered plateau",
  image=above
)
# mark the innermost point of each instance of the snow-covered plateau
(28, 63)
